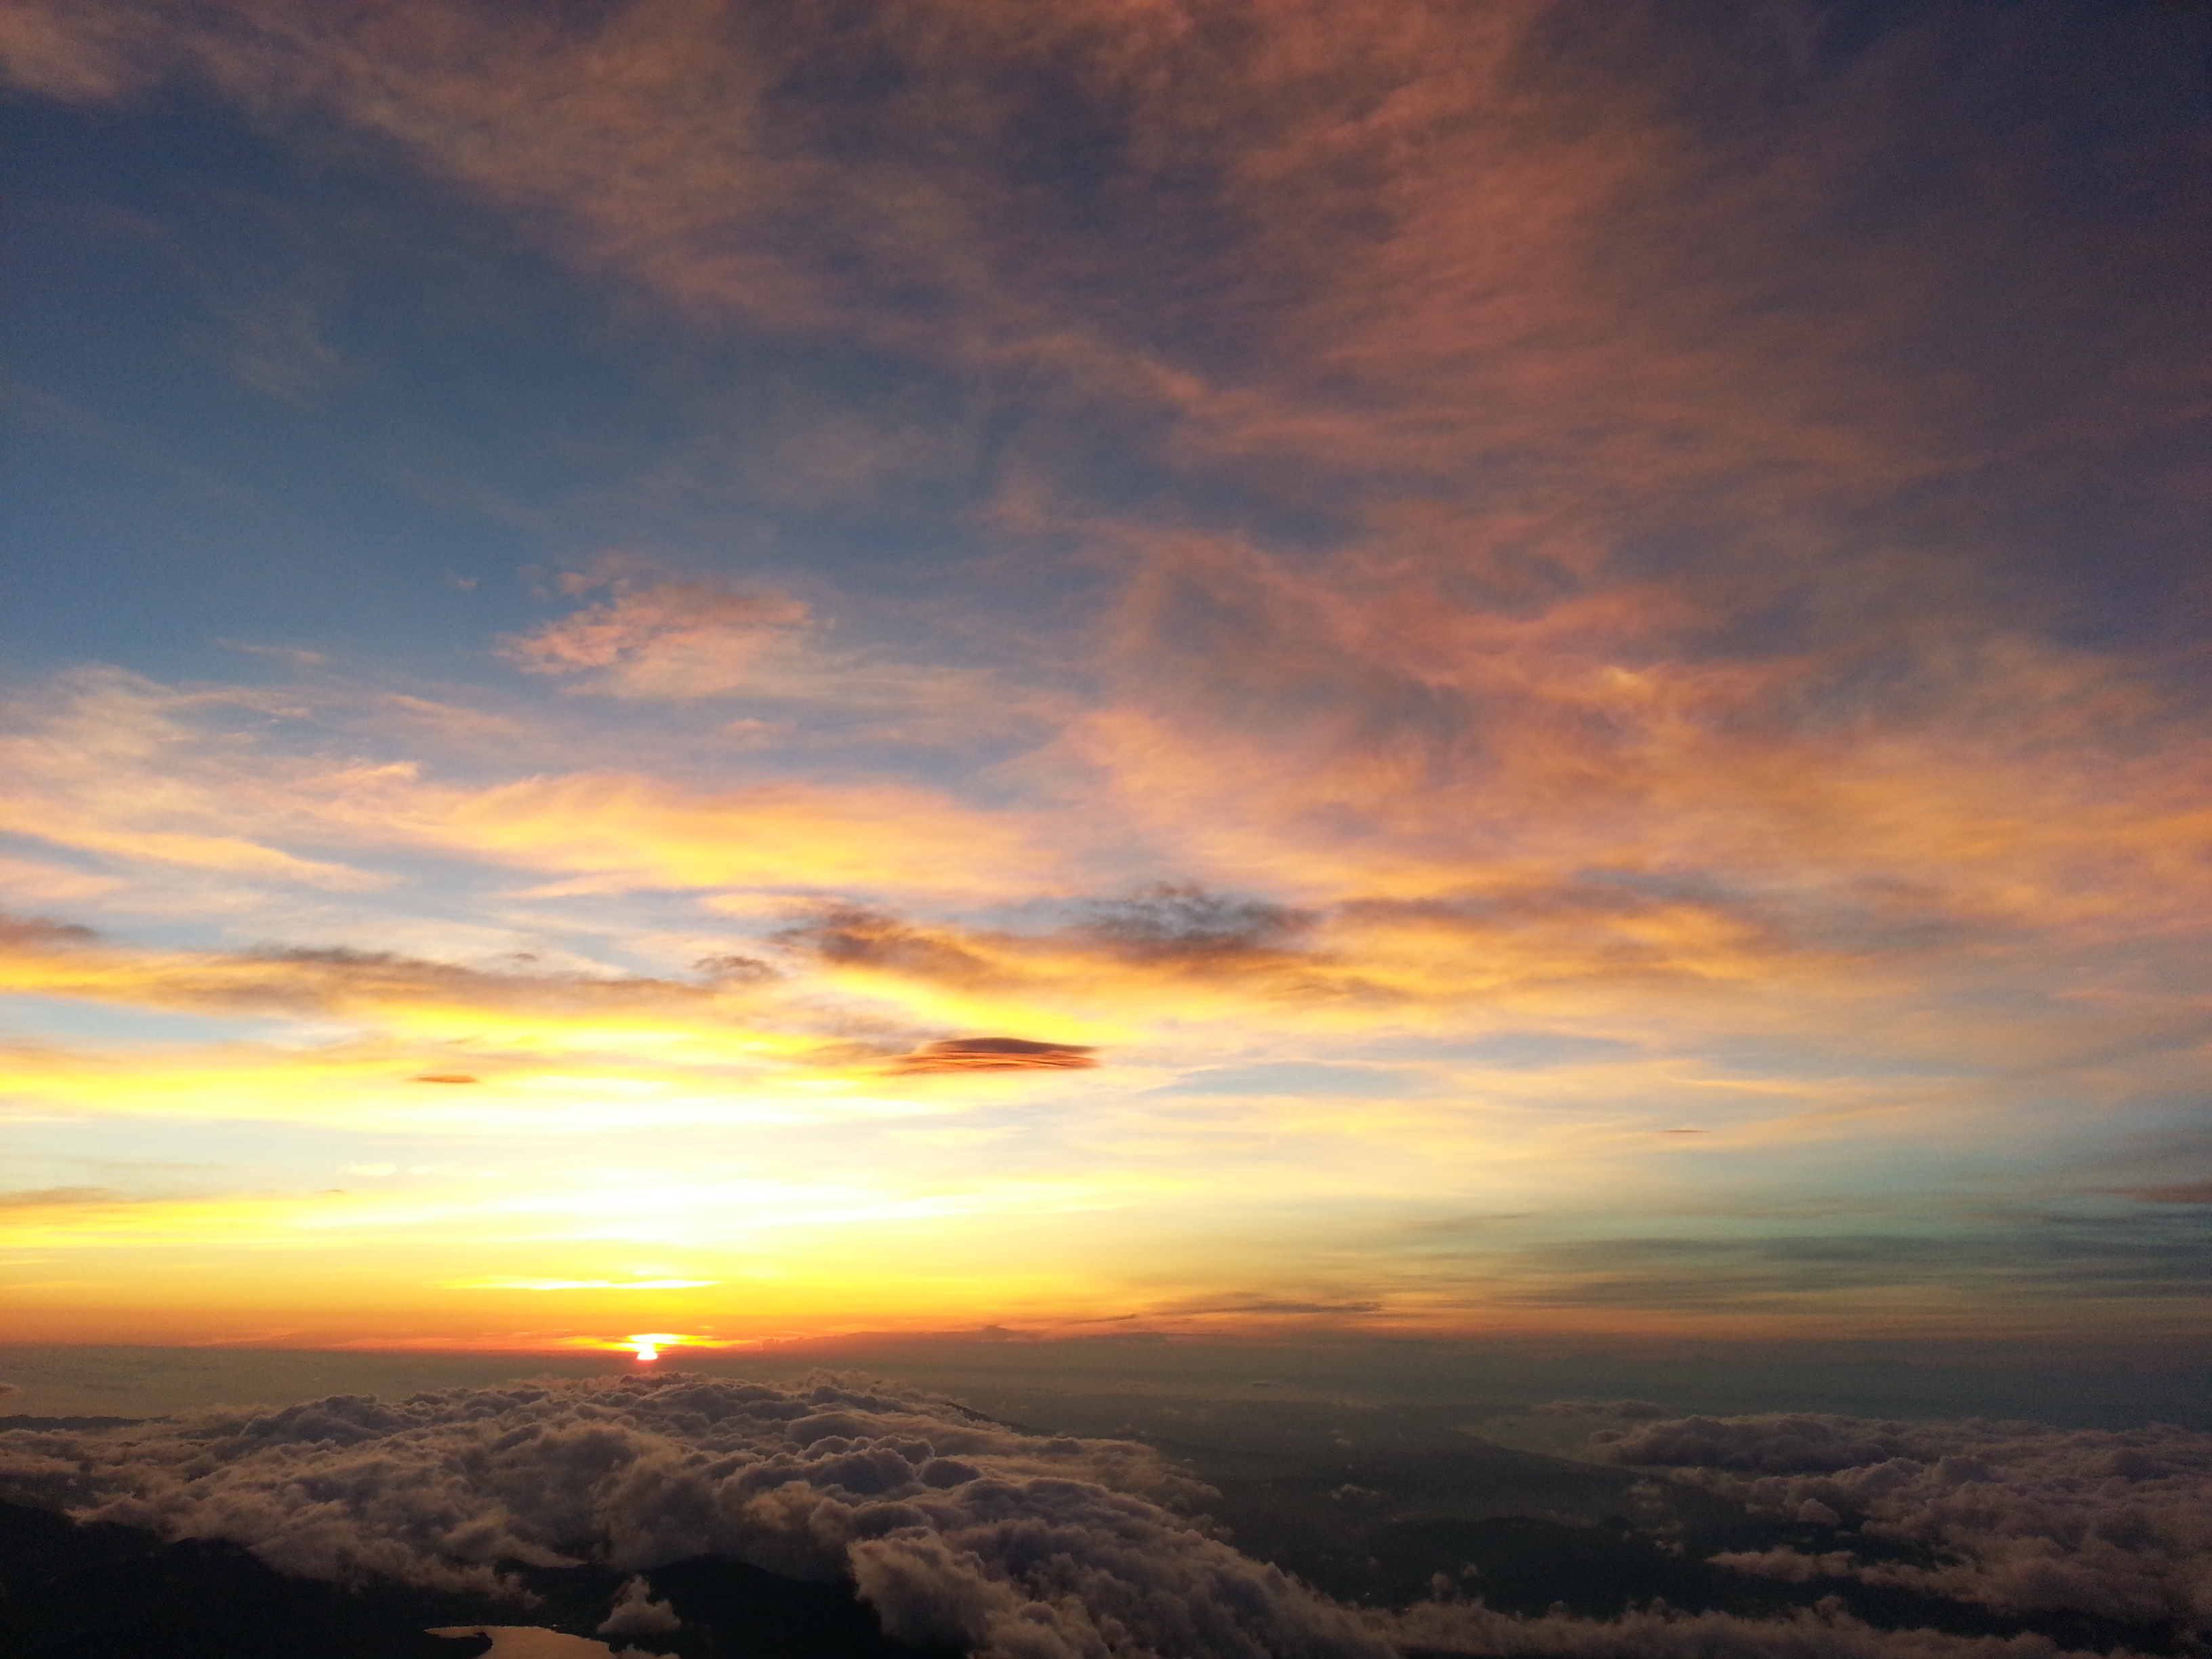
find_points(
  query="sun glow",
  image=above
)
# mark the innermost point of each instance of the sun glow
(503, 1282)
(647, 1346)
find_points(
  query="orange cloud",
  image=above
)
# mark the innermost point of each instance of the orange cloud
(112, 764)
(53, 959)
(992, 1054)
(147, 777)
(1338, 733)
(618, 829)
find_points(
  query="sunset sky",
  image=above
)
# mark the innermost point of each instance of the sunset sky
(1254, 668)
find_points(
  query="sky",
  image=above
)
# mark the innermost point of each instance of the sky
(1527, 670)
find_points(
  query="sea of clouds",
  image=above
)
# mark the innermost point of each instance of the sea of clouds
(959, 1529)
(2025, 1517)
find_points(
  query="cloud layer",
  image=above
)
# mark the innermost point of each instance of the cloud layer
(955, 1529)
(2018, 1516)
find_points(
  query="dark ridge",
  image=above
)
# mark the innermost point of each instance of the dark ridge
(744, 1610)
(7, 1423)
(70, 1591)
(73, 1591)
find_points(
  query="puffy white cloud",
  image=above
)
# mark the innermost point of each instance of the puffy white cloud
(2023, 1516)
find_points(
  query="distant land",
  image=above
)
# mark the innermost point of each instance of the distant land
(1491, 1378)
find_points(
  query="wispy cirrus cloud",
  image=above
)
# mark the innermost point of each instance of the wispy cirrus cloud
(614, 830)
(148, 777)
(673, 640)
(113, 765)
(57, 959)
(55, 1198)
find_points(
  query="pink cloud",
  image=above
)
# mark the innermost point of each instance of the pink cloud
(672, 640)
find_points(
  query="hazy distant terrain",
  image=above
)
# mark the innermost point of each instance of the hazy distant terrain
(1062, 1383)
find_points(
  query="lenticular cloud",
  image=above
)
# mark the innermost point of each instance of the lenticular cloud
(963, 1531)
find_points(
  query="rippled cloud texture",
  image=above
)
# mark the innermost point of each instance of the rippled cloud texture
(1527, 667)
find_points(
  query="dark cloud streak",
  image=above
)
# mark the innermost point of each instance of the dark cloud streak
(992, 1054)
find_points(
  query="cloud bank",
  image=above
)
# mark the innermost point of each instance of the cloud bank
(955, 1529)
(1015, 1546)
(2020, 1515)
